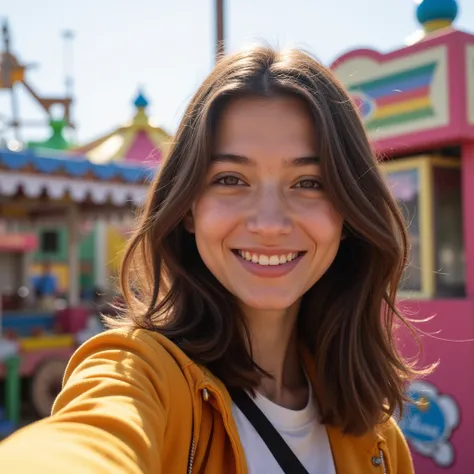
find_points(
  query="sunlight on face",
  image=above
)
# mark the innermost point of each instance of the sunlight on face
(263, 223)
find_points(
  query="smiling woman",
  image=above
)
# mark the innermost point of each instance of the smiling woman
(263, 201)
(260, 288)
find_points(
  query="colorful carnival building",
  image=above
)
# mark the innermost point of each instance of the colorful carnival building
(137, 142)
(418, 106)
(101, 244)
(57, 191)
(53, 204)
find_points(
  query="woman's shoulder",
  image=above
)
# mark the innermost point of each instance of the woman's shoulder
(390, 431)
(140, 350)
(141, 341)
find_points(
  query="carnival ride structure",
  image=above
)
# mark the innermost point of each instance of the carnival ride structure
(13, 76)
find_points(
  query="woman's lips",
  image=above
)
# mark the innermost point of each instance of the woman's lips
(268, 268)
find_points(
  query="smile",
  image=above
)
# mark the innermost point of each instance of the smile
(266, 260)
(268, 266)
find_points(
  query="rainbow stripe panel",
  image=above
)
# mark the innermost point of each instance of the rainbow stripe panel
(395, 98)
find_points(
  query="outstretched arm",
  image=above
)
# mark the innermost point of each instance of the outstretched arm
(110, 416)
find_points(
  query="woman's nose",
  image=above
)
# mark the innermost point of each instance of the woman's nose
(269, 216)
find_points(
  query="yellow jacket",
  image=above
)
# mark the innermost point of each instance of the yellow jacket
(133, 402)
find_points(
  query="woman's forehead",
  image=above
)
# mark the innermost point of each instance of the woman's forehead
(278, 124)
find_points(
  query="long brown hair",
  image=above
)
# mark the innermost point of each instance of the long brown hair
(167, 287)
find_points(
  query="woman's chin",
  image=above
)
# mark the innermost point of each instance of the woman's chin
(268, 302)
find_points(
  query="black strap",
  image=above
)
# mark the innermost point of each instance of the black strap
(283, 454)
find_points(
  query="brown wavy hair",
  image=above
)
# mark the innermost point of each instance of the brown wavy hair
(347, 318)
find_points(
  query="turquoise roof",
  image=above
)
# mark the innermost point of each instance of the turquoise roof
(141, 101)
(430, 10)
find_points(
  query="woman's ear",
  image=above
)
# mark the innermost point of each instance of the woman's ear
(189, 222)
(344, 232)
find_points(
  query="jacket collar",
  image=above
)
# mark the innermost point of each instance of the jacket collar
(204, 379)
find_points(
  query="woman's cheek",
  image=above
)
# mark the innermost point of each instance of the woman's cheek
(220, 207)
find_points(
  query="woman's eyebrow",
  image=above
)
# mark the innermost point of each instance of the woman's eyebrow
(244, 160)
(232, 158)
(303, 161)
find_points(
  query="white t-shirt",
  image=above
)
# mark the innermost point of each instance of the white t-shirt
(300, 429)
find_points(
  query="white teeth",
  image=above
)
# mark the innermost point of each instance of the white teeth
(274, 260)
(266, 260)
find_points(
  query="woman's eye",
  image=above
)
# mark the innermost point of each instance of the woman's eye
(229, 181)
(308, 184)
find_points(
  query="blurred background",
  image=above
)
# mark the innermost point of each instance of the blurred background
(167, 48)
(91, 94)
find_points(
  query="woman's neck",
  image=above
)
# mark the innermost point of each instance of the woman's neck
(274, 349)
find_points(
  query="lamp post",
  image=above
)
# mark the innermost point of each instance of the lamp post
(219, 29)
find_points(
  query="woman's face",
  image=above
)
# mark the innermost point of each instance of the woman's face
(263, 223)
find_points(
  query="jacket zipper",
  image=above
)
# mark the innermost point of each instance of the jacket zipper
(382, 459)
(191, 452)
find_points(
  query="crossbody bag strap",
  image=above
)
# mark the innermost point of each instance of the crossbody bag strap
(280, 450)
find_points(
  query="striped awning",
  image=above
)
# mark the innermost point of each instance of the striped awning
(116, 184)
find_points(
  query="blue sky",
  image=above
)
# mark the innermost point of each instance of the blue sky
(168, 46)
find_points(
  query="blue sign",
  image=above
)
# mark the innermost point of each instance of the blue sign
(428, 424)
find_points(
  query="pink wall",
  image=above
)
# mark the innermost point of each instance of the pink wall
(449, 338)
(467, 162)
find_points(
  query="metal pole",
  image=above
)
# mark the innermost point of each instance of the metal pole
(68, 37)
(100, 254)
(219, 28)
(15, 114)
(8, 67)
(73, 217)
(12, 389)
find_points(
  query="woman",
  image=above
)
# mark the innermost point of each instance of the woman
(268, 245)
